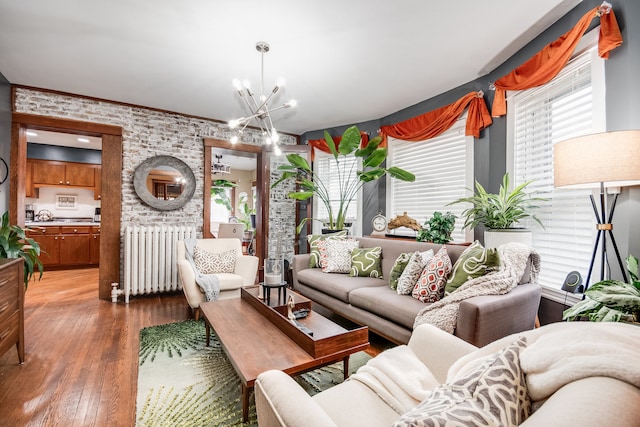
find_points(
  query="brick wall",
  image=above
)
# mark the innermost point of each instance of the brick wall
(147, 133)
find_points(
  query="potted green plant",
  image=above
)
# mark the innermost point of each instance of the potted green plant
(610, 300)
(219, 192)
(438, 228)
(499, 213)
(310, 184)
(245, 213)
(15, 244)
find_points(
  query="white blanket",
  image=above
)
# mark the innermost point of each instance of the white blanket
(581, 350)
(398, 377)
(514, 258)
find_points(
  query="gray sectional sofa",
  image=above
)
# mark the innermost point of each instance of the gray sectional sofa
(370, 301)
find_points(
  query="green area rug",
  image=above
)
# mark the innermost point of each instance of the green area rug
(181, 382)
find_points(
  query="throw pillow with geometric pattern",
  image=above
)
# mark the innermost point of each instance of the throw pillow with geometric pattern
(335, 254)
(494, 394)
(430, 285)
(313, 239)
(209, 263)
(366, 262)
(474, 262)
(412, 271)
(398, 268)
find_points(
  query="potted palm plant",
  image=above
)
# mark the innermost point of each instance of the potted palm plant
(350, 180)
(500, 213)
(15, 244)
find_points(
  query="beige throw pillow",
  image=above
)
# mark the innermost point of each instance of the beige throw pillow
(412, 271)
(210, 263)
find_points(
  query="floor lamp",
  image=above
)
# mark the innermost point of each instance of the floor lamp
(602, 160)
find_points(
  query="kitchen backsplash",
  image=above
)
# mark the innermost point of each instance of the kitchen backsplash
(84, 206)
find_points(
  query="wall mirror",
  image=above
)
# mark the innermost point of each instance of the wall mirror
(164, 182)
(234, 191)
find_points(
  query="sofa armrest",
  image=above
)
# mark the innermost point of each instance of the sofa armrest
(299, 262)
(281, 402)
(486, 318)
(247, 267)
(438, 349)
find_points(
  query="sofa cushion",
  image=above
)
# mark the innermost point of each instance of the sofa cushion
(366, 262)
(336, 285)
(494, 394)
(474, 262)
(430, 285)
(313, 239)
(210, 263)
(412, 271)
(386, 303)
(398, 268)
(335, 254)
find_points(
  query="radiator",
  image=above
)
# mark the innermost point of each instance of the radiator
(150, 264)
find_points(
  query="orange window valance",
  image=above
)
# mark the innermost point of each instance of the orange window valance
(547, 63)
(436, 122)
(321, 144)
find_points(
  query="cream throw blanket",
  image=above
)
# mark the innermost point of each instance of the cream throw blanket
(398, 377)
(513, 257)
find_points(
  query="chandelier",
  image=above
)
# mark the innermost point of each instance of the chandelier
(220, 168)
(259, 108)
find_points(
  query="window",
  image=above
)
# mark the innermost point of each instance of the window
(570, 105)
(443, 167)
(325, 167)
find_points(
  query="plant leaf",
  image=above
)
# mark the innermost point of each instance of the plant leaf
(350, 141)
(370, 148)
(299, 162)
(301, 195)
(376, 158)
(401, 174)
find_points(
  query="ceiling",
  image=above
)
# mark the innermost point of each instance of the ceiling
(344, 61)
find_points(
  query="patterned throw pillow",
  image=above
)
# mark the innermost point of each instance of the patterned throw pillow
(209, 263)
(412, 272)
(335, 254)
(313, 239)
(430, 285)
(398, 268)
(494, 394)
(474, 262)
(366, 262)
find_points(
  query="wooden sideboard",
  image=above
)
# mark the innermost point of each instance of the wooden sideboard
(12, 305)
(411, 239)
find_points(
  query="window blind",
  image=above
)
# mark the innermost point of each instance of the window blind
(541, 117)
(325, 167)
(443, 167)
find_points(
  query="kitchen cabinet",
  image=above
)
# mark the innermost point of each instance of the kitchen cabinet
(48, 239)
(97, 179)
(54, 173)
(12, 306)
(94, 252)
(68, 245)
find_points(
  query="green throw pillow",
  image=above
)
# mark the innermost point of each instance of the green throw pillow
(474, 262)
(314, 261)
(366, 262)
(398, 268)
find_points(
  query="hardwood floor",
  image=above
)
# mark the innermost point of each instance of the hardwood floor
(81, 353)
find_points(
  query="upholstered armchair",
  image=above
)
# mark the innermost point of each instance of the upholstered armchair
(245, 271)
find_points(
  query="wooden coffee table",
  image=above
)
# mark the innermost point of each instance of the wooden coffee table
(257, 338)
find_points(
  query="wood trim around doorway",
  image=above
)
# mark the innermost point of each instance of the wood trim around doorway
(111, 180)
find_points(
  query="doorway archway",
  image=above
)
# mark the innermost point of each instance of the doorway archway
(111, 181)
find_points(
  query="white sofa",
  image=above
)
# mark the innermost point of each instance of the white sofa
(246, 269)
(593, 400)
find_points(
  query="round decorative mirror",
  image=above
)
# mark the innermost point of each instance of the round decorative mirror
(164, 182)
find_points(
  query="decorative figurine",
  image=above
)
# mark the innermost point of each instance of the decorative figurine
(291, 305)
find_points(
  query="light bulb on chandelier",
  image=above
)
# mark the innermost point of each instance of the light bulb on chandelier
(259, 109)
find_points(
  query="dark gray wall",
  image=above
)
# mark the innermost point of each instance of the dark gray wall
(5, 137)
(623, 112)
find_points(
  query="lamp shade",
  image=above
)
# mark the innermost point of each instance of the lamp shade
(587, 161)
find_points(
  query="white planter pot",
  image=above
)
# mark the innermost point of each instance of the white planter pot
(494, 238)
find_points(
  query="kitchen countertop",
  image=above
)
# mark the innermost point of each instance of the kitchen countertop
(55, 223)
